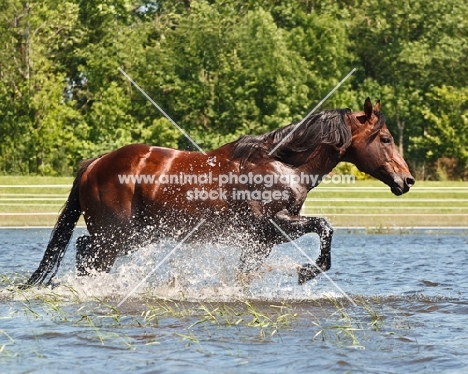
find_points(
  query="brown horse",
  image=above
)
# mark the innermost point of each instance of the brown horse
(140, 193)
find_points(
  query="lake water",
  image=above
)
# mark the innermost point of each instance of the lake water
(394, 302)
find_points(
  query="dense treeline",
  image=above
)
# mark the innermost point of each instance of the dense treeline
(224, 68)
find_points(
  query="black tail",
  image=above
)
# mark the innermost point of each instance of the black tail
(61, 234)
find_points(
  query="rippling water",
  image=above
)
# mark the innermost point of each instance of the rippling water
(411, 314)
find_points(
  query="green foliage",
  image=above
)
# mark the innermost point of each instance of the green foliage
(346, 168)
(445, 111)
(222, 69)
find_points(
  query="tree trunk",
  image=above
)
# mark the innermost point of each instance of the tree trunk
(401, 130)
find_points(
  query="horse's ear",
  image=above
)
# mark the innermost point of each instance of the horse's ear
(377, 106)
(368, 108)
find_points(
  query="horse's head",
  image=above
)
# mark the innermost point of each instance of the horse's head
(373, 151)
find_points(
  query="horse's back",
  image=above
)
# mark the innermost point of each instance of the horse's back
(131, 181)
(108, 186)
(130, 160)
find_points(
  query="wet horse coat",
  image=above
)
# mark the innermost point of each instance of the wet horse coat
(138, 194)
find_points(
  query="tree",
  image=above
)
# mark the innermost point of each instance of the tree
(445, 111)
(222, 69)
(34, 111)
(221, 74)
(407, 47)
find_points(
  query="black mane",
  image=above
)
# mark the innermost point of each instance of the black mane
(326, 127)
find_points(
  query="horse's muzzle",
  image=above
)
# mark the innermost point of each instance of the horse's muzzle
(402, 185)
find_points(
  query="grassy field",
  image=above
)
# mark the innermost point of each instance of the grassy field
(371, 204)
(36, 201)
(32, 201)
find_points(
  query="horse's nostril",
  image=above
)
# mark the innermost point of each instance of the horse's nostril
(409, 181)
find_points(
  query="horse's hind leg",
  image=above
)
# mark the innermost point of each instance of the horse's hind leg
(83, 254)
(94, 255)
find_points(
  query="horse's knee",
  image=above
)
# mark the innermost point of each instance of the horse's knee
(325, 227)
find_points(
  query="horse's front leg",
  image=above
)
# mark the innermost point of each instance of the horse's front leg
(296, 226)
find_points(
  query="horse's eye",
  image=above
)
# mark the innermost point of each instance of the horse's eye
(386, 140)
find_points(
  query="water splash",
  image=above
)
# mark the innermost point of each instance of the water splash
(195, 272)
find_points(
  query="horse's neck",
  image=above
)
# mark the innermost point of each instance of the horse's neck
(319, 162)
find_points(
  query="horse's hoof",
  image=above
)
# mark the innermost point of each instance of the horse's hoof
(53, 285)
(24, 286)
